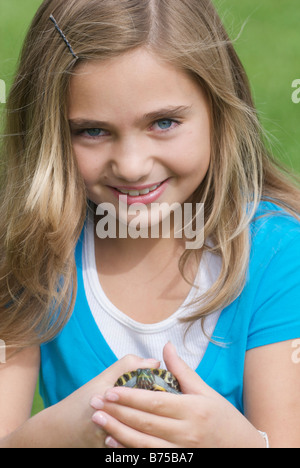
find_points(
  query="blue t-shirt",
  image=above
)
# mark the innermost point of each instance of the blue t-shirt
(266, 312)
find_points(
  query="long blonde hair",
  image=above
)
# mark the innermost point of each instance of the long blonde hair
(43, 198)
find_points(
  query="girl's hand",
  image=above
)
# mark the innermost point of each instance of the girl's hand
(73, 416)
(198, 418)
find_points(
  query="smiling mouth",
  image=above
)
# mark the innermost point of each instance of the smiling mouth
(144, 194)
(138, 193)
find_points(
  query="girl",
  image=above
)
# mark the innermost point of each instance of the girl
(143, 101)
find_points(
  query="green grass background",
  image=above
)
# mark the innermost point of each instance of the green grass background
(267, 40)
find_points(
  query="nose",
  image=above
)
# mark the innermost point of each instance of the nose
(131, 160)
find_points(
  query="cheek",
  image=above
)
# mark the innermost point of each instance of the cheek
(200, 149)
(89, 166)
(191, 158)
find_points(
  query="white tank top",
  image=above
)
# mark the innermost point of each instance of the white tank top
(127, 336)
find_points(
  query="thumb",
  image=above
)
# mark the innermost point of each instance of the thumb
(189, 380)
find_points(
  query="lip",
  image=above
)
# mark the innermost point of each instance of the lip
(150, 197)
(136, 187)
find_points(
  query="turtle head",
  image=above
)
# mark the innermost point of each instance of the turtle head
(145, 379)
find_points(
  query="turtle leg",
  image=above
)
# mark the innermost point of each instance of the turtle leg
(158, 388)
(163, 386)
(127, 380)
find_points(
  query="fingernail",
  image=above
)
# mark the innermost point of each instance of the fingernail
(172, 346)
(111, 396)
(110, 442)
(97, 403)
(152, 362)
(99, 419)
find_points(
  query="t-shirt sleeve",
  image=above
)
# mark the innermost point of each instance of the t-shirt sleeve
(276, 312)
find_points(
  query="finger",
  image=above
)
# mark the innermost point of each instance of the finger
(153, 413)
(110, 442)
(131, 362)
(126, 435)
(189, 380)
(160, 403)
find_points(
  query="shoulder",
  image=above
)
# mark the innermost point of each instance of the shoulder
(273, 283)
(270, 217)
(274, 232)
(274, 249)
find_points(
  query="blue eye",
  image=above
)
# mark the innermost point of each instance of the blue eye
(165, 124)
(94, 132)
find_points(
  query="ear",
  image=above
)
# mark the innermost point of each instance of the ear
(189, 380)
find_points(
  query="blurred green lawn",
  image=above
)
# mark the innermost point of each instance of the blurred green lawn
(268, 46)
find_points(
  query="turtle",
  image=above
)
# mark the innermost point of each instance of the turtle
(158, 380)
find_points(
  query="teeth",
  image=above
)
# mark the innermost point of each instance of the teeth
(136, 193)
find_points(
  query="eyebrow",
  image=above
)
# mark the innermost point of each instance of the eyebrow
(167, 112)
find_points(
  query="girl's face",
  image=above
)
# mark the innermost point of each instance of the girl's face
(136, 123)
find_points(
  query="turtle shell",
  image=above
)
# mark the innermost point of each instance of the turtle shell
(158, 380)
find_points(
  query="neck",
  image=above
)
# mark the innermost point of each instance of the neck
(155, 251)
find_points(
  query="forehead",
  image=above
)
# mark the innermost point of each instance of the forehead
(136, 82)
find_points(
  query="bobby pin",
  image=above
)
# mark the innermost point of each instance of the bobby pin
(63, 36)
